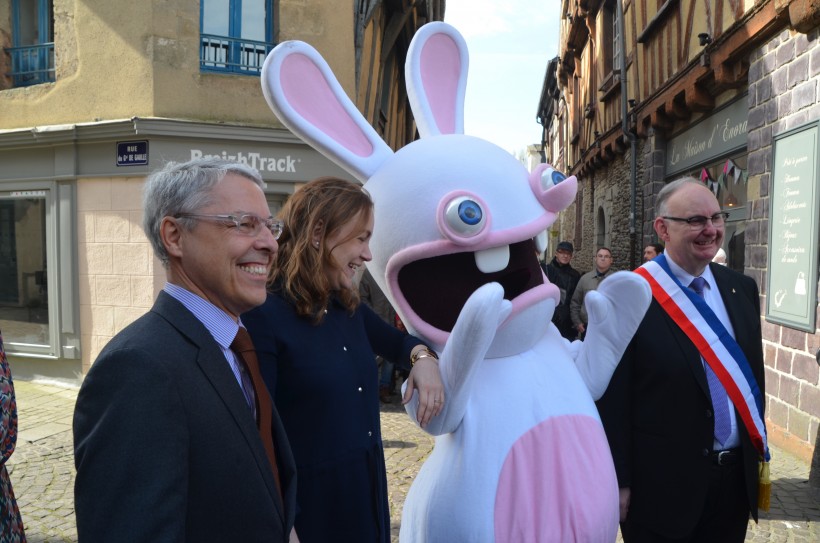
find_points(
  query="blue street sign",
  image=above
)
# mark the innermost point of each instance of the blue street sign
(132, 153)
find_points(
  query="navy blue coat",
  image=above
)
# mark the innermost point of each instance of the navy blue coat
(324, 382)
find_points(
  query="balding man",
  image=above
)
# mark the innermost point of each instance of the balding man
(687, 461)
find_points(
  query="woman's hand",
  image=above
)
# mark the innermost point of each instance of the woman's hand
(425, 377)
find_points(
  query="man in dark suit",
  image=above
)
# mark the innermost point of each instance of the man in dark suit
(170, 443)
(680, 481)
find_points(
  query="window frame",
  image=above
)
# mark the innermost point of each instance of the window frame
(611, 57)
(41, 51)
(61, 275)
(234, 44)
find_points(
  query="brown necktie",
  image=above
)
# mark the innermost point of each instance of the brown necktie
(243, 347)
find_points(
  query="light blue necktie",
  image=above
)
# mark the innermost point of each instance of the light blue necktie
(720, 405)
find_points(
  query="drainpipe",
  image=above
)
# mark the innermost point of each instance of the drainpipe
(633, 141)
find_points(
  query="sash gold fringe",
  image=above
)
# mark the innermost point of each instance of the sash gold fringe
(764, 491)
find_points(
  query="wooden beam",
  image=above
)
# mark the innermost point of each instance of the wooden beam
(643, 128)
(661, 122)
(765, 22)
(608, 155)
(618, 145)
(732, 75)
(697, 99)
(804, 15)
(677, 110)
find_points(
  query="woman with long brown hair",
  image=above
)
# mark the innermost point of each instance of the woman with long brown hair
(316, 346)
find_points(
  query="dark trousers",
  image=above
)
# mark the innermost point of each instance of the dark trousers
(724, 518)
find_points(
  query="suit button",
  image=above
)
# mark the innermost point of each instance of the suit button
(705, 452)
(360, 389)
(708, 413)
(369, 434)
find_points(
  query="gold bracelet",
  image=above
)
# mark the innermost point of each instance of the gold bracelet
(422, 353)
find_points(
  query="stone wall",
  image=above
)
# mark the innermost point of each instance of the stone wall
(654, 160)
(609, 189)
(783, 94)
(118, 274)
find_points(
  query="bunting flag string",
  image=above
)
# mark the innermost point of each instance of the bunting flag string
(713, 185)
(730, 169)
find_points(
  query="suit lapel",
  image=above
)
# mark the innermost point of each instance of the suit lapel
(688, 351)
(735, 304)
(216, 369)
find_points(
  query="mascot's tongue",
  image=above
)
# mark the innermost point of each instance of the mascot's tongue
(437, 288)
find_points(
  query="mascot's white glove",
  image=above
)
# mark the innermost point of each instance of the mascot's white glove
(466, 347)
(615, 310)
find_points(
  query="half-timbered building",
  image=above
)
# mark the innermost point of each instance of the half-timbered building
(727, 91)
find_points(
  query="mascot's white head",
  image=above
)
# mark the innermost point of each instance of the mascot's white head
(452, 212)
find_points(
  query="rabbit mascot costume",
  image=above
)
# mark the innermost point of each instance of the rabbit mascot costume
(520, 452)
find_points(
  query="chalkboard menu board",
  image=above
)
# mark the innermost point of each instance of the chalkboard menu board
(791, 296)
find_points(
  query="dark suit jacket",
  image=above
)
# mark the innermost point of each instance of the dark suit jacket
(657, 412)
(165, 446)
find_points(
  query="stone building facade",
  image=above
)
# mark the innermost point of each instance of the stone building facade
(717, 91)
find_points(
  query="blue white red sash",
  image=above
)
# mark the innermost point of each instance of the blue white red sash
(715, 344)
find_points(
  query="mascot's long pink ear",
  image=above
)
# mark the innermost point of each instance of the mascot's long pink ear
(436, 74)
(304, 94)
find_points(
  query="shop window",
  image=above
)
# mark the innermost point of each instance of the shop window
(30, 283)
(32, 51)
(236, 35)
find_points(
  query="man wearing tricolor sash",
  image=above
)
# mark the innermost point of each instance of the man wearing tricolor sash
(684, 410)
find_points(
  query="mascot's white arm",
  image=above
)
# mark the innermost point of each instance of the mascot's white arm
(615, 310)
(466, 348)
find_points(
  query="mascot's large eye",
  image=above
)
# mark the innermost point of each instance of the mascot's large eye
(551, 177)
(465, 216)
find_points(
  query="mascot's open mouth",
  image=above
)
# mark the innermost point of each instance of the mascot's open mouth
(437, 288)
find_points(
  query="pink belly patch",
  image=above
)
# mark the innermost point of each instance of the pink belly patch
(558, 484)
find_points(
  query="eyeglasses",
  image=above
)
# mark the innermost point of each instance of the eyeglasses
(604, 256)
(698, 222)
(247, 224)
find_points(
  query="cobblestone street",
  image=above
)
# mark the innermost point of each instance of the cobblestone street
(42, 466)
(42, 472)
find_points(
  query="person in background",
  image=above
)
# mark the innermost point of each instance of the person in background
(561, 274)
(602, 269)
(686, 463)
(317, 347)
(11, 524)
(372, 295)
(651, 251)
(175, 434)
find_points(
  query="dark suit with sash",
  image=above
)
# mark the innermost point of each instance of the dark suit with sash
(166, 448)
(658, 417)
